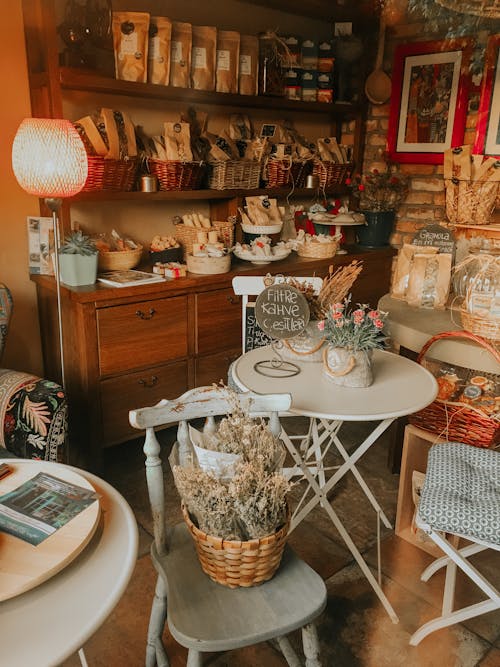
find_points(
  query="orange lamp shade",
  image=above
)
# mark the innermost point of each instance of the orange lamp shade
(49, 158)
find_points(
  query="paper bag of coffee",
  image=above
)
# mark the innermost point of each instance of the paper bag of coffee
(228, 60)
(404, 264)
(203, 57)
(130, 43)
(160, 35)
(178, 142)
(180, 55)
(248, 79)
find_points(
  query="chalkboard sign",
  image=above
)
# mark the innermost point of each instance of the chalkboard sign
(437, 236)
(254, 336)
(282, 311)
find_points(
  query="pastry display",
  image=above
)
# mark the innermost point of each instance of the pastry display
(260, 250)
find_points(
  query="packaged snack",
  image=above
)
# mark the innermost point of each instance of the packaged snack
(429, 281)
(228, 61)
(180, 56)
(130, 43)
(249, 65)
(404, 264)
(160, 35)
(203, 57)
(177, 141)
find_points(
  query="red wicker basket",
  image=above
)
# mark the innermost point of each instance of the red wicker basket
(330, 173)
(107, 174)
(455, 420)
(177, 175)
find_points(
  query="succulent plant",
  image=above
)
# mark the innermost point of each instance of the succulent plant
(78, 243)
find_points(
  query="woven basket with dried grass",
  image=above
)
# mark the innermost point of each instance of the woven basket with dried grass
(234, 563)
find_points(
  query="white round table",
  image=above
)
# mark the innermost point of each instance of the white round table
(47, 624)
(400, 387)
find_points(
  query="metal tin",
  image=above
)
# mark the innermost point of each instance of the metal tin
(149, 183)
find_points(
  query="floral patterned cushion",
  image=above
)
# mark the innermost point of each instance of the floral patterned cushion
(33, 416)
(461, 491)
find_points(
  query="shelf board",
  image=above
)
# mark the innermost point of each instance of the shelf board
(75, 79)
(176, 195)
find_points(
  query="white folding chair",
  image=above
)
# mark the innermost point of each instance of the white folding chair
(461, 497)
(252, 286)
(202, 615)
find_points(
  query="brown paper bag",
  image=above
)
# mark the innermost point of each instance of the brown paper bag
(160, 35)
(130, 43)
(180, 55)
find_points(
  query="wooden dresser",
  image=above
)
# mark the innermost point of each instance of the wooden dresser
(129, 347)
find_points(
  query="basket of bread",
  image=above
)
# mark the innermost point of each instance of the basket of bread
(117, 253)
(196, 228)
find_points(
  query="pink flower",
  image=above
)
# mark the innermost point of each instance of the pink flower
(321, 325)
(358, 313)
(336, 315)
(378, 324)
(338, 306)
(373, 314)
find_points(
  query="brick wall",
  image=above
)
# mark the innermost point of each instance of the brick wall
(425, 201)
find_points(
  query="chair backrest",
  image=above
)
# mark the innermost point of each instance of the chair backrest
(5, 314)
(246, 286)
(201, 402)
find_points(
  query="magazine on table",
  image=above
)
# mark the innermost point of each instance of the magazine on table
(129, 277)
(42, 505)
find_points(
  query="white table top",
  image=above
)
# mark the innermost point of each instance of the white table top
(400, 388)
(412, 327)
(47, 624)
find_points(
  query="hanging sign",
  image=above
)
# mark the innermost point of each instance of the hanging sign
(282, 311)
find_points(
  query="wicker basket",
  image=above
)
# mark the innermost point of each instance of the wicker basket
(330, 173)
(189, 235)
(177, 175)
(234, 175)
(481, 326)
(278, 173)
(106, 174)
(119, 260)
(232, 563)
(454, 420)
(317, 250)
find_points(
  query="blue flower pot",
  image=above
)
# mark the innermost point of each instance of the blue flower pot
(377, 231)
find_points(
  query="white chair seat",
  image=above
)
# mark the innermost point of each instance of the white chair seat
(210, 617)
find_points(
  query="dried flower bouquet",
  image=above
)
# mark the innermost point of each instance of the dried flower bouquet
(249, 503)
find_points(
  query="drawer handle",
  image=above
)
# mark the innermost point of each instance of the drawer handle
(149, 383)
(143, 316)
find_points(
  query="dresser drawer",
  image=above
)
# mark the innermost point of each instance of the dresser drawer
(138, 390)
(141, 334)
(218, 317)
(214, 367)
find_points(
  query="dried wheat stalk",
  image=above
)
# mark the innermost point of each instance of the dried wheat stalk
(336, 286)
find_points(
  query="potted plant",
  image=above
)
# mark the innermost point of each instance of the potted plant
(308, 346)
(78, 260)
(380, 193)
(351, 335)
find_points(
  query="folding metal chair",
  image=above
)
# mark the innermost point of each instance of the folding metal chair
(461, 497)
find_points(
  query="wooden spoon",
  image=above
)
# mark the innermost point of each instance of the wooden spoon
(378, 84)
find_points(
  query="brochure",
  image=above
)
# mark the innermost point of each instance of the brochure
(41, 505)
(129, 277)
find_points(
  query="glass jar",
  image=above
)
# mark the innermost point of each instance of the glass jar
(477, 282)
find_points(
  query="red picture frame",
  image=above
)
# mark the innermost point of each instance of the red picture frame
(487, 140)
(430, 87)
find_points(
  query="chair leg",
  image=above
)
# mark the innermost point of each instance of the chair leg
(288, 651)
(155, 651)
(83, 659)
(194, 658)
(311, 645)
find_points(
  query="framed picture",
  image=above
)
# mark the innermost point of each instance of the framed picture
(430, 83)
(488, 122)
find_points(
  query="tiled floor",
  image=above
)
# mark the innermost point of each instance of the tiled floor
(355, 630)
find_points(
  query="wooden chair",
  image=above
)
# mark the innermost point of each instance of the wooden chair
(460, 497)
(202, 615)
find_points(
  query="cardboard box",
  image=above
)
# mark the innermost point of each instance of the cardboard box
(40, 245)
